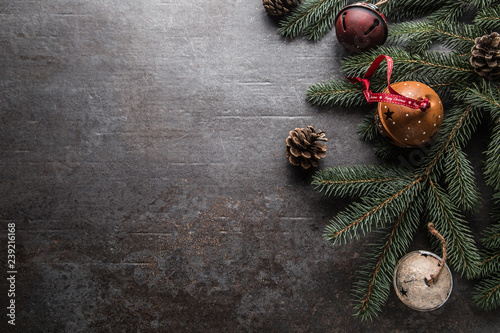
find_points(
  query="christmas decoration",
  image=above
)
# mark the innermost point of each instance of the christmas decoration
(303, 147)
(410, 281)
(280, 7)
(409, 113)
(360, 27)
(441, 187)
(485, 56)
(441, 184)
(422, 280)
(406, 127)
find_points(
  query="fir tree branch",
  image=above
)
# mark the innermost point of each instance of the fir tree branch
(326, 22)
(486, 96)
(359, 180)
(418, 36)
(492, 163)
(429, 67)
(488, 18)
(490, 262)
(397, 10)
(385, 150)
(450, 12)
(367, 129)
(487, 292)
(462, 252)
(495, 212)
(459, 176)
(371, 290)
(491, 239)
(312, 18)
(360, 216)
(459, 124)
(340, 93)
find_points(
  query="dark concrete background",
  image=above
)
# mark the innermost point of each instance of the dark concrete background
(142, 151)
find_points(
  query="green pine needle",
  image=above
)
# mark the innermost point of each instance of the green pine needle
(488, 19)
(341, 93)
(443, 187)
(367, 128)
(486, 97)
(312, 18)
(492, 164)
(462, 252)
(460, 180)
(450, 12)
(371, 290)
(492, 238)
(398, 10)
(360, 180)
(487, 292)
(490, 262)
(457, 128)
(431, 68)
(419, 36)
(360, 217)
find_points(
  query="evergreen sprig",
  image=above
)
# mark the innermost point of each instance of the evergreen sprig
(488, 18)
(442, 188)
(486, 97)
(431, 68)
(419, 36)
(398, 10)
(367, 129)
(360, 217)
(312, 18)
(460, 180)
(360, 180)
(487, 291)
(371, 289)
(463, 254)
(334, 92)
(491, 239)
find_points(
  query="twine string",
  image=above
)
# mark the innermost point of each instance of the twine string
(434, 232)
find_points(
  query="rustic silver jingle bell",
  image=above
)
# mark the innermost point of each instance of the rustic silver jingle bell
(412, 281)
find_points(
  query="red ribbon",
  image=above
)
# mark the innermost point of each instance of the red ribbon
(393, 97)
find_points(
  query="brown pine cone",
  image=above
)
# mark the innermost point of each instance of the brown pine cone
(280, 7)
(303, 148)
(485, 56)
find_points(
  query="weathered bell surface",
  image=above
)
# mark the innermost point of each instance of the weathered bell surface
(406, 127)
(411, 278)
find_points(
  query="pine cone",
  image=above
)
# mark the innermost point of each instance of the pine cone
(280, 7)
(486, 55)
(303, 148)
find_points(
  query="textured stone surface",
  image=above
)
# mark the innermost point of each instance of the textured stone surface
(142, 152)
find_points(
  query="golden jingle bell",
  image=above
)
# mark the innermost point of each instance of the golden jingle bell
(411, 281)
(407, 127)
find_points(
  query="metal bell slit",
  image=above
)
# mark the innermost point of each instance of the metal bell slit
(360, 27)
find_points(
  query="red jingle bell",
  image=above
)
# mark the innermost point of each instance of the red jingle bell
(360, 27)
